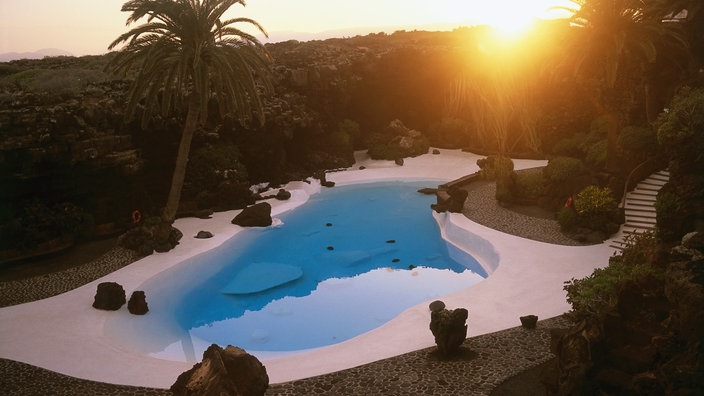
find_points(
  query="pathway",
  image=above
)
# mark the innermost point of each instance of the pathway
(640, 209)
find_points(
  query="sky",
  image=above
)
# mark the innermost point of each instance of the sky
(87, 27)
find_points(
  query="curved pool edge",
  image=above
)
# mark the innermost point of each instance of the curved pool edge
(528, 281)
(65, 334)
(481, 249)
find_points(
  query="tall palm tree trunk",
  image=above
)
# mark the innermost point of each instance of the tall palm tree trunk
(189, 128)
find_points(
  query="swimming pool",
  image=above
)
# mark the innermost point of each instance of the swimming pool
(357, 255)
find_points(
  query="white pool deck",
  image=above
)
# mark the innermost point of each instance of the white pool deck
(65, 334)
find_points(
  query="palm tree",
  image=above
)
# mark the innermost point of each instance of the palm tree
(612, 38)
(187, 55)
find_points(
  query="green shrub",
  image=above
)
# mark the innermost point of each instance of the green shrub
(506, 188)
(589, 147)
(641, 142)
(528, 187)
(599, 127)
(67, 218)
(596, 208)
(420, 146)
(598, 292)
(210, 166)
(342, 141)
(384, 147)
(563, 177)
(666, 204)
(595, 154)
(151, 221)
(449, 133)
(383, 151)
(495, 167)
(680, 131)
(339, 138)
(562, 169)
(211, 173)
(641, 249)
(568, 219)
(351, 129)
(595, 201)
(667, 214)
(571, 146)
(40, 223)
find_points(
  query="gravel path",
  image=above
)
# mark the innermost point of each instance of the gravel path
(482, 207)
(485, 361)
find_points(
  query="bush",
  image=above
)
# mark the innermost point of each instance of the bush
(563, 177)
(640, 142)
(589, 147)
(383, 148)
(216, 178)
(595, 154)
(495, 167)
(595, 201)
(383, 151)
(449, 133)
(596, 208)
(210, 166)
(506, 188)
(528, 187)
(40, 223)
(667, 214)
(680, 131)
(340, 142)
(351, 129)
(560, 170)
(572, 146)
(598, 292)
(568, 219)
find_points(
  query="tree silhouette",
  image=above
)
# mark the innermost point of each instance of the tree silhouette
(611, 39)
(186, 55)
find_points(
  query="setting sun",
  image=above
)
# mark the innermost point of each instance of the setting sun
(511, 18)
(23, 29)
(508, 18)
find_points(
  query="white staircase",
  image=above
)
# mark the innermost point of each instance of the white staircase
(640, 209)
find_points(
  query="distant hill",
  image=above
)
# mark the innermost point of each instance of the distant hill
(39, 54)
(280, 36)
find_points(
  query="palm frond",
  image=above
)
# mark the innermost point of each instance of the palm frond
(185, 47)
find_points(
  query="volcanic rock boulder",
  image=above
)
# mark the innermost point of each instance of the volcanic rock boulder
(576, 349)
(457, 198)
(450, 200)
(257, 215)
(230, 371)
(450, 329)
(529, 321)
(323, 179)
(138, 303)
(110, 296)
(152, 235)
(204, 235)
(283, 195)
(436, 305)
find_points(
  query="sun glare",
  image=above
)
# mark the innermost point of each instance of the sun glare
(510, 22)
(512, 18)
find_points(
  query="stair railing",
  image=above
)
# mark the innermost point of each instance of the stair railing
(631, 175)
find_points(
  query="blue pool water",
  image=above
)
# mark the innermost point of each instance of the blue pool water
(364, 254)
